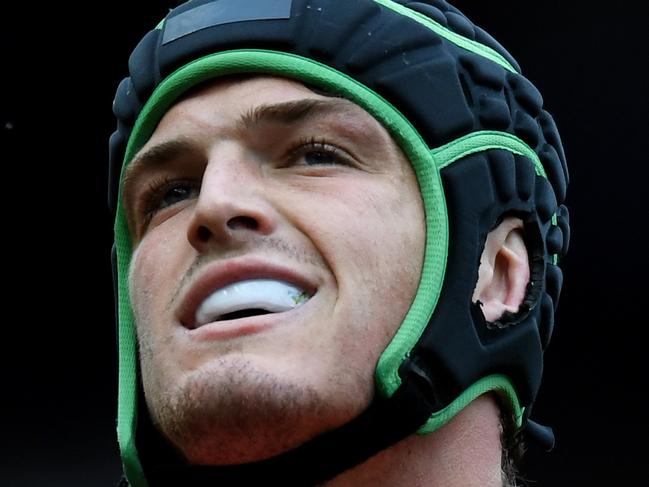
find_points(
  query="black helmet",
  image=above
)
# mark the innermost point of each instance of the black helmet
(482, 147)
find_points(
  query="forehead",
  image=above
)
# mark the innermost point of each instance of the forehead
(252, 87)
(248, 102)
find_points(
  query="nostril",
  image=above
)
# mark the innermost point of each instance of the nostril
(204, 233)
(243, 222)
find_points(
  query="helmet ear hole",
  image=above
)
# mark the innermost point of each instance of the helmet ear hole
(536, 261)
(536, 254)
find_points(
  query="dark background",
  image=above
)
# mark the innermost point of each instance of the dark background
(60, 67)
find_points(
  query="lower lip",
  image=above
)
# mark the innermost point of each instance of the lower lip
(224, 330)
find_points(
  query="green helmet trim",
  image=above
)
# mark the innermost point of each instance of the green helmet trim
(498, 383)
(449, 35)
(426, 163)
(485, 140)
(127, 360)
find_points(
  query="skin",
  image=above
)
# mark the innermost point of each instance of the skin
(504, 270)
(329, 197)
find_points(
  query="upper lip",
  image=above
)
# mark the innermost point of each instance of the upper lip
(222, 273)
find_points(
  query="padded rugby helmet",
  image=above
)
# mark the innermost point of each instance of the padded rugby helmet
(482, 147)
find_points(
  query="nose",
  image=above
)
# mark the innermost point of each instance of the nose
(232, 205)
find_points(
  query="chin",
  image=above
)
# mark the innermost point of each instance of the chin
(232, 411)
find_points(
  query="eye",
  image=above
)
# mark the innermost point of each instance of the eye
(175, 194)
(168, 192)
(320, 156)
(312, 152)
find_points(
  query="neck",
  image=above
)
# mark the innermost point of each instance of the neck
(466, 452)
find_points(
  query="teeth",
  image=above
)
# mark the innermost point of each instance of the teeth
(267, 294)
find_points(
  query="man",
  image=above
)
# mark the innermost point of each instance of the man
(337, 228)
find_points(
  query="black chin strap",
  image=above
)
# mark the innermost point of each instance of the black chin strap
(385, 422)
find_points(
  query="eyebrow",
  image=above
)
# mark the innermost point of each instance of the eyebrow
(287, 113)
(157, 155)
(292, 112)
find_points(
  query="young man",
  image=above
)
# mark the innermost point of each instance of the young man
(337, 227)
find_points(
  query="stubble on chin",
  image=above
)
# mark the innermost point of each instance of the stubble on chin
(232, 412)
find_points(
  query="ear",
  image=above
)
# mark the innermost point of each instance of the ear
(504, 270)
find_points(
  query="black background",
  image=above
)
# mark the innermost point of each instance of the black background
(60, 67)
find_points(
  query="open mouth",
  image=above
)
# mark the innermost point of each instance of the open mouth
(252, 297)
(244, 313)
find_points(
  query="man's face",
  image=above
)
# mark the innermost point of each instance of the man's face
(260, 195)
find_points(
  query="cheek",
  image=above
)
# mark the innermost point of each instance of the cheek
(392, 245)
(142, 288)
(154, 269)
(381, 238)
(373, 240)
